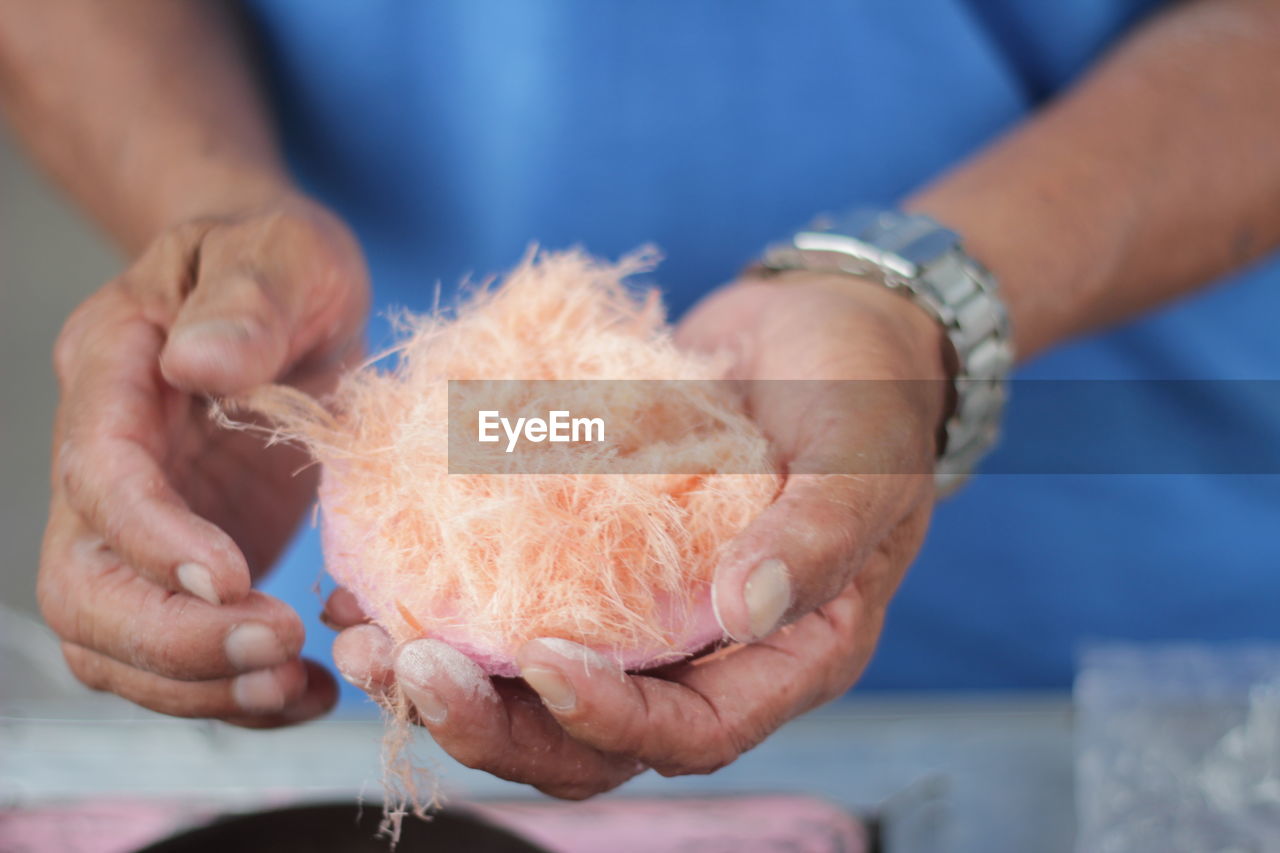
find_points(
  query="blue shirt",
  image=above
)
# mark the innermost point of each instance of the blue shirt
(452, 133)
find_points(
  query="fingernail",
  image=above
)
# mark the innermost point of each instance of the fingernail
(258, 692)
(554, 688)
(429, 704)
(205, 331)
(768, 595)
(574, 651)
(422, 665)
(342, 609)
(362, 652)
(198, 581)
(253, 645)
(419, 664)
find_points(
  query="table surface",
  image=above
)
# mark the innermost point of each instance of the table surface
(951, 773)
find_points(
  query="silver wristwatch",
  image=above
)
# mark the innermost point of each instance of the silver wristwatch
(914, 255)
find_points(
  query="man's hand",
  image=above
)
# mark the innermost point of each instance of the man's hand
(160, 521)
(804, 588)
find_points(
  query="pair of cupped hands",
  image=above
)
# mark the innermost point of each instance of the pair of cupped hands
(160, 522)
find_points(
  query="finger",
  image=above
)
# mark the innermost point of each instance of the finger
(92, 598)
(342, 610)
(705, 714)
(364, 656)
(852, 478)
(266, 295)
(119, 490)
(504, 731)
(229, 336)
(660, 723)
(233, 330)
(263, 692)
(111, 435)
(320, 697)
(791, 558)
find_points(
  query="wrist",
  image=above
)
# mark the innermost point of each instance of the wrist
(915, 344)
(920, 358)
(1055, 262)
(914, 256)
(897, 341)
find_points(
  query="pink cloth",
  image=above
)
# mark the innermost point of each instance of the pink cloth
(100, 826)
(745, 824)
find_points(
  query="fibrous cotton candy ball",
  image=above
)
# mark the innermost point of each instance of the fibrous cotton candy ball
(620, 562)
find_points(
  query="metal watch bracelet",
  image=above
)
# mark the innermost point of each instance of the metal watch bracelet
(926, 262)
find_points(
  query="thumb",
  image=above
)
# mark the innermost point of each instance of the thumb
(797, 555)
(230, 335)
(852, 479)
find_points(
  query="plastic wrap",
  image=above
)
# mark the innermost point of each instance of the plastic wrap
(1178, 749)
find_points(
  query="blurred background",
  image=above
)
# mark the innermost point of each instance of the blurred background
(50, 259)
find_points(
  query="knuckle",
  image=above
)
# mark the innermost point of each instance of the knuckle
(84, 469)
(78, 470)
(849, 647)
(845, 618)
(60, 599)
(70, 465)
(72, 577)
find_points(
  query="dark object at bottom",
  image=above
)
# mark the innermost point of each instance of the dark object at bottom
(341, 828)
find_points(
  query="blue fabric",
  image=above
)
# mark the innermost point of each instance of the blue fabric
(451, 133)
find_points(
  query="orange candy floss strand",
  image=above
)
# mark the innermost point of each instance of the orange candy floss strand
(410, 620)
